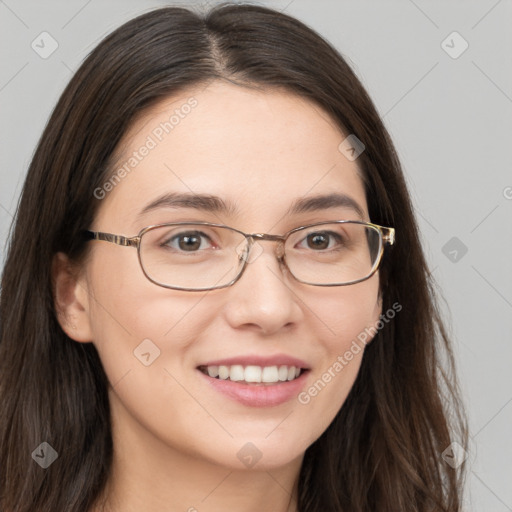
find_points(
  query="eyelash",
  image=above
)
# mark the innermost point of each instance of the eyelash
(331, 235)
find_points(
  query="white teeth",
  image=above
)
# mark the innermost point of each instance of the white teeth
(223, 372)
(213, 371)
(236, 372)
(291, 373)
(252, 373)
(269, 374)
(283, 373)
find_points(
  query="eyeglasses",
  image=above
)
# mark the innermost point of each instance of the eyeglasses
(197, 256)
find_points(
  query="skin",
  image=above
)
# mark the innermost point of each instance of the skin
(175, 439)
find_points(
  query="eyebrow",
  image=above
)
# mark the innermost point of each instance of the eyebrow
(214, 204)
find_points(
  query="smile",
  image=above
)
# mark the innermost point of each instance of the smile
(252, 374)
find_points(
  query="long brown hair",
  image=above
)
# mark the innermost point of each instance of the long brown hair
(383, 450)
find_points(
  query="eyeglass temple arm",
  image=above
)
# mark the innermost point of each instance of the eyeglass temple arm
(388, 235)
(115, 239)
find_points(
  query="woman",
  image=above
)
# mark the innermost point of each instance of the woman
(203, 305)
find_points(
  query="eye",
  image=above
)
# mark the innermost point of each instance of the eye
(321, 240)
(189, 241)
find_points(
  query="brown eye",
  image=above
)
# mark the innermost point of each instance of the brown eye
(190, 241)
(322, 240)
(318, 241)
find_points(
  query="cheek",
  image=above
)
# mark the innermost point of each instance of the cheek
(143, 334)
(132, 317)
(348, 311)
(344, 319)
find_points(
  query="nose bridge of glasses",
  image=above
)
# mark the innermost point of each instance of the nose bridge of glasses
(264, 236)
(270, 238)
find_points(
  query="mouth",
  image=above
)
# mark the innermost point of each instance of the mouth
(254, 380)
(253, 374)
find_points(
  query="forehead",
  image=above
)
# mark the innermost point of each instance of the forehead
(260, 150)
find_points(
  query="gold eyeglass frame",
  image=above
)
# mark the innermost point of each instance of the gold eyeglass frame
(386, 237)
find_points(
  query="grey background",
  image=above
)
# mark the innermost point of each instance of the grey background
(450, 118)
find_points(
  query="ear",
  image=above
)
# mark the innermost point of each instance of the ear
(71, 299)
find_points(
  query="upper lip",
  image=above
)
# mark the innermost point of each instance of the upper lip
(258, 360)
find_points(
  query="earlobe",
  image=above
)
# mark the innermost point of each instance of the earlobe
(70, 299)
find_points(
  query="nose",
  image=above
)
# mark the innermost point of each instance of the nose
(263, 299)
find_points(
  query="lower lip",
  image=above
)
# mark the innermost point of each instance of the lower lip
(254, 395)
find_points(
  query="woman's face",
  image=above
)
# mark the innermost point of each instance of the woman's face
(260, 152)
